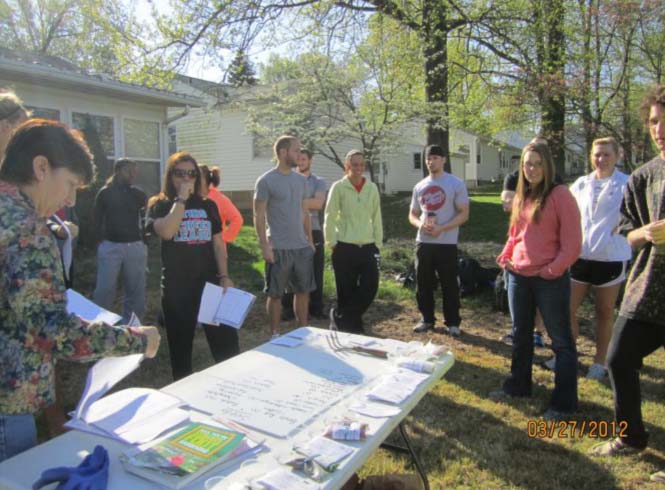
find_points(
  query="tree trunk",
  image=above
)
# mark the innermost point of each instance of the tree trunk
(553, 103)
(435, 16)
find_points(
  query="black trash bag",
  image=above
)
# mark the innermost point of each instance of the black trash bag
(470, 276)
(408, 278)
(500, 293)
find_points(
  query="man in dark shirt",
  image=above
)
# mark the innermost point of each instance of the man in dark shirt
(640, 327)
(119, 209)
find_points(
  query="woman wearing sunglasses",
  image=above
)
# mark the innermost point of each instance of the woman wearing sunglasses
(193, 253)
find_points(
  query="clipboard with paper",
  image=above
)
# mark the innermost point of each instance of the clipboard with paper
(230, 308)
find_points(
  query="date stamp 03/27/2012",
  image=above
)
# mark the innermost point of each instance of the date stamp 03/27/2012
(570, 429)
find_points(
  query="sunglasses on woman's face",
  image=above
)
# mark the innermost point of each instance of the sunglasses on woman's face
(178, 172)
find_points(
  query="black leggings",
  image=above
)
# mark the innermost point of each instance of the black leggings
(180, 307)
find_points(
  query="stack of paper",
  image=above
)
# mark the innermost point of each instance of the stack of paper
(326, 452)
(129, 415)
(230, 308)
(396, 388)
(134, 415)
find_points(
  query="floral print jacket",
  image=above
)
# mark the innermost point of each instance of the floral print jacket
(35, 328)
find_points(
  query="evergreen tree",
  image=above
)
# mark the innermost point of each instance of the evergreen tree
(241, 71)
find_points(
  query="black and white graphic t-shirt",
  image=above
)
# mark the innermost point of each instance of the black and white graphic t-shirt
(189, 254)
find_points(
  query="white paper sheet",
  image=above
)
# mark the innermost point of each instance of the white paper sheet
(145, 431)
(301, 333)
(121, 411)
(89, 311)
(397, 387)
(390, 392)
(229, 308)
(102, 377)
(375, 410)
(280, 479)
(286, 341)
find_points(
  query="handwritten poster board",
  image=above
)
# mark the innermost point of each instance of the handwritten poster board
(273, 394)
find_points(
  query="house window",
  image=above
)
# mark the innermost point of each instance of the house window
(142, 145)
(141, 139)
(148, 176)
(417, 161)
(102, 124)
(173, 142)
(478, 152)
(44, 113)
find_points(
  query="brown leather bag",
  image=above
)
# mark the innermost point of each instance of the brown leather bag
(392, 482)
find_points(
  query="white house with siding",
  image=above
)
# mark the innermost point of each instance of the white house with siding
(131, 119)
(217, 134)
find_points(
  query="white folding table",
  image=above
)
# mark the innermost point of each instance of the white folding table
(284, 367)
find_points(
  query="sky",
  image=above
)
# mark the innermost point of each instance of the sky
(197, 66)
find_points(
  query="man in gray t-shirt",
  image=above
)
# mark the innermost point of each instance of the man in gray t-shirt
(314, 202)
(283, 227)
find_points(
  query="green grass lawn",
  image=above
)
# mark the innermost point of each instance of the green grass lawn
(466, 440)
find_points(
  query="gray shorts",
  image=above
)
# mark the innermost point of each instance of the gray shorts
(292, 271)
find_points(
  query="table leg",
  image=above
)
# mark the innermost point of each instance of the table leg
(409, 450)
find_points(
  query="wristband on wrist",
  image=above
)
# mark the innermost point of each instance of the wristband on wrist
(222, 276)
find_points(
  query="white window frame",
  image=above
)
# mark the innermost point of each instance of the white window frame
(117, 147)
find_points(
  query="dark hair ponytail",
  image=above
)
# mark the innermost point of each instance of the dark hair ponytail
(215, 177)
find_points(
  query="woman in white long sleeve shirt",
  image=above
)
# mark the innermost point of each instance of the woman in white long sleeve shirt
(605, 253)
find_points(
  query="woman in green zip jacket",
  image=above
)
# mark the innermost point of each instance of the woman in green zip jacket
(354, 231)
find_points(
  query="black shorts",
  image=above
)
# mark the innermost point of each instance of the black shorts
(597, 273)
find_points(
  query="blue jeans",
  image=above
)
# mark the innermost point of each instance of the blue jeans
(18, 433)
(552, 297)
(130, 259)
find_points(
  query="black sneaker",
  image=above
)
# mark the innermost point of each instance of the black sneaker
(423, 327)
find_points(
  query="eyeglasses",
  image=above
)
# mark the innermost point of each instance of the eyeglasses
(178, 172)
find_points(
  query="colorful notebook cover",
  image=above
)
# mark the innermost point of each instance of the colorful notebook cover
(190, 450)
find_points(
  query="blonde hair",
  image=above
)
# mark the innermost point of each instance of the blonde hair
(11, 107)
(608, 140)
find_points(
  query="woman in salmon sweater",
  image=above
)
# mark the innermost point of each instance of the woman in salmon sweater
(544, 240)
(229, 214)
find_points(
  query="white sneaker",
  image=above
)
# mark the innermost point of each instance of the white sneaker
(596, 371)
(454, 331)
(550, 363)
